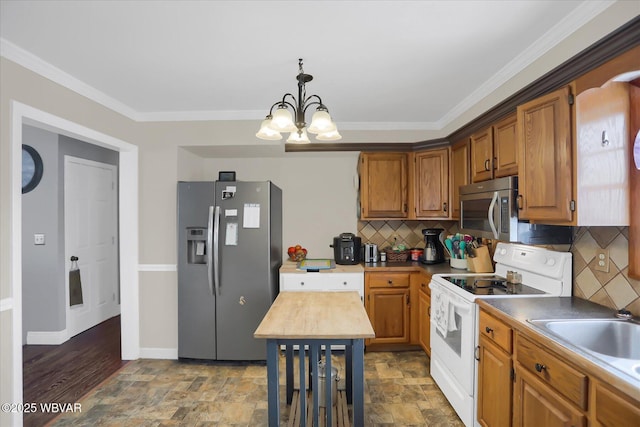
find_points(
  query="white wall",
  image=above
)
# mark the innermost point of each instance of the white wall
(319, 194)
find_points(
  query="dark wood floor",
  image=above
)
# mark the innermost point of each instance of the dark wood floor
(64, 373)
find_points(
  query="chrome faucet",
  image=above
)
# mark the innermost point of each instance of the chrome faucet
(623, 313)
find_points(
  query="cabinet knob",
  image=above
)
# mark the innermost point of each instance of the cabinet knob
(519, 199)
(486, 165)
(344, 283)
(540, 367)
(444, 206)
(390, 282)
(488, 330)
(301, 283)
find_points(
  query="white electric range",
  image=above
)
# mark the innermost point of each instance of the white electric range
(454, 314)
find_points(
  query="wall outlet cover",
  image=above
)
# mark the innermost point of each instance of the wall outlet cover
(602, 260)
(38, 239)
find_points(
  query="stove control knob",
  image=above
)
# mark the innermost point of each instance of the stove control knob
(503, 251)
(551, 261)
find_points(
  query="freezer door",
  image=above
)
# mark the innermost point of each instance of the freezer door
(250, 254)
(196, 299)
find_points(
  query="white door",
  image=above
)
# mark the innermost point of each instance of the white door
(91, 233)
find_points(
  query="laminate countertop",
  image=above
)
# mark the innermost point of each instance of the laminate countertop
(410, 266)
(518, 312)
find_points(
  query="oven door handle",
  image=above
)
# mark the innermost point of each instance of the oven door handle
(492, 208)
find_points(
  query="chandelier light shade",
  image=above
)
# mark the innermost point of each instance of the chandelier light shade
(266, 132)
(289, 116)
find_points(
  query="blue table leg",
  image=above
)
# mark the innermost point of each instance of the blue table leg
(358, 382)
(303, 391)
(314, 356)
(289, 372)
(273, 398)
(348, 354)
(328, 384)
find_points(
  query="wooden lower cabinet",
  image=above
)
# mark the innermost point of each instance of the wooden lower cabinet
(389, 315)
(387, 299)
(495, 385)
(525, 381)
(424, 319)
(614, 409)
(536, 404)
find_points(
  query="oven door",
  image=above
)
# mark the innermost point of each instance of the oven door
(455, 351)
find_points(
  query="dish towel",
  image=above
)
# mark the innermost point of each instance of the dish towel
(75, 284)
(445, 316)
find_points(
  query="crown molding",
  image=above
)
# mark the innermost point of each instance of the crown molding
(37, 65)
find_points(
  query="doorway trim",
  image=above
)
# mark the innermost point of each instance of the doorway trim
(128, 228)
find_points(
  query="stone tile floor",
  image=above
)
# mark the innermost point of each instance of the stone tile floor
(398, 392)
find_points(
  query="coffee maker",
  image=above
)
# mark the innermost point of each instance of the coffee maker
(433, 249)
(347, 249)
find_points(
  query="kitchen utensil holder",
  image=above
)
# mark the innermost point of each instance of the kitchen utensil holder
(459, 263)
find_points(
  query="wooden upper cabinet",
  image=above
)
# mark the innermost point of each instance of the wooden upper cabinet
(505, 147)
(482, 155)
(383, 185)
(431, 185)
(494, 151)
(459, 174)
(545, 163)
(605, 130)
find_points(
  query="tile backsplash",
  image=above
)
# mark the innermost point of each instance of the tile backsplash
(408, 233)
(614, 289)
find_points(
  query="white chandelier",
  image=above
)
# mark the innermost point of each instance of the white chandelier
(283, 121)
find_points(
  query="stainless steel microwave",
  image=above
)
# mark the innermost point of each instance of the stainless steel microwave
(489, 209)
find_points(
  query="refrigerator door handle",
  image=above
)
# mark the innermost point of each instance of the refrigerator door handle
(209, 250)
(216, 255)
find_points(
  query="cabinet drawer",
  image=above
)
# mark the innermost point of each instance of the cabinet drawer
(566, 380)
(386, 280)
(497, 331)
(322, 282)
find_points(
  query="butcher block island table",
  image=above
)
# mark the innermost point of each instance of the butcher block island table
(317, 320)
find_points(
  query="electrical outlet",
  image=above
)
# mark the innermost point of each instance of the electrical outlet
(38, 239)
(602, 260)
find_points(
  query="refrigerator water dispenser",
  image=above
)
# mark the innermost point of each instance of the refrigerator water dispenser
(196, 245)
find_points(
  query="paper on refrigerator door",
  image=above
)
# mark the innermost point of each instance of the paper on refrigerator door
(231, 234)
(251, 216)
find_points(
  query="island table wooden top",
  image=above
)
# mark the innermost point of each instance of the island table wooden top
(316, 315)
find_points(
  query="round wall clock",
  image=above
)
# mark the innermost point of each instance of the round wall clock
(31, 168)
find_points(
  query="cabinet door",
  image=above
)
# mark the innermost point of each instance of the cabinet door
(432, 184)
(536, 404)
(494, 385)
(424, 317)
(482, 155)
(603, 135)
(388, 311)
(505, 148)
(614, 409)
(545, 166)
(459, 174)
(383, 185)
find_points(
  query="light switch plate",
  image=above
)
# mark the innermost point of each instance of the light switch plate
(38, 239)
(602, 260)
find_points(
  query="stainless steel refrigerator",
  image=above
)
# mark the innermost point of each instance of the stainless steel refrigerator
(229, 255)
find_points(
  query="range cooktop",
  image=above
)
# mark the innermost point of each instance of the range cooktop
(490, 285)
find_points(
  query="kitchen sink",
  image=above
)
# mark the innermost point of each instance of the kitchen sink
(613, 341)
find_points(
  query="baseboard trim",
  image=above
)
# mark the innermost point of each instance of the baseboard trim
(47, 337)
(159, 353)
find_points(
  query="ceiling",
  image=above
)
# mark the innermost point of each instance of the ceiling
(394, 66)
